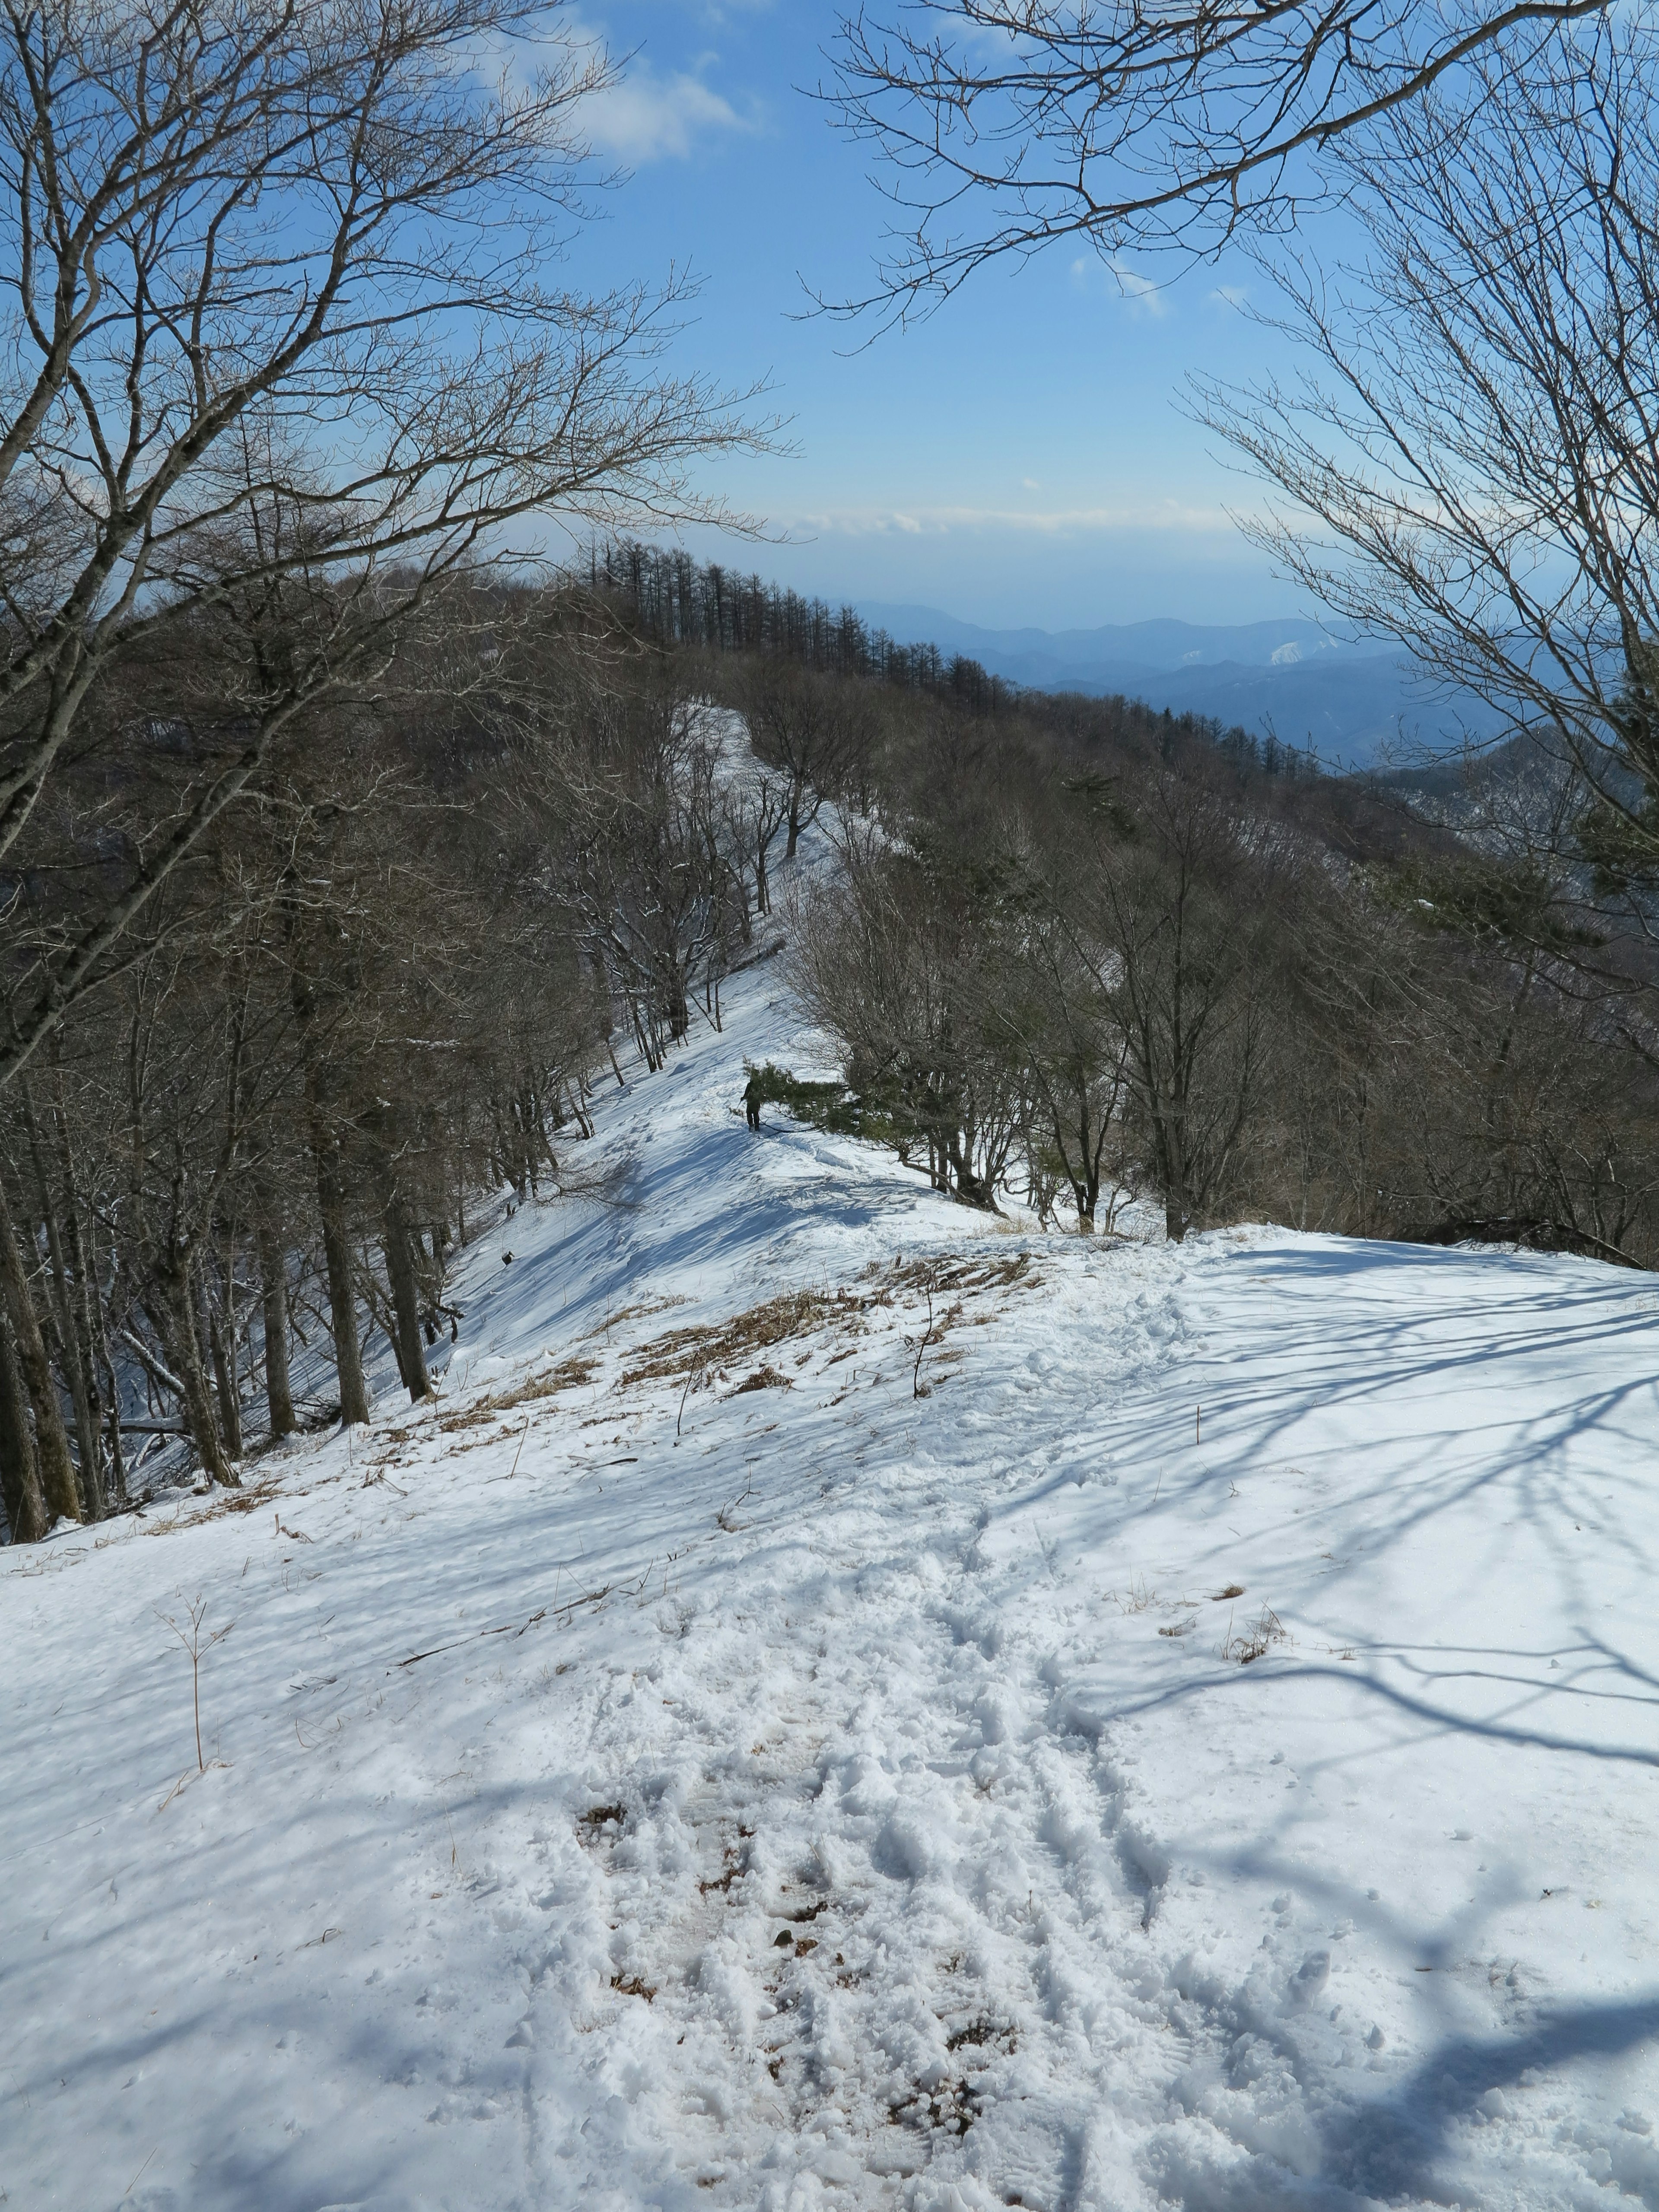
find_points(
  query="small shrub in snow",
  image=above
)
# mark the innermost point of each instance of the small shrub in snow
(196, 1640)
(1256, 1641)
(764, 1378)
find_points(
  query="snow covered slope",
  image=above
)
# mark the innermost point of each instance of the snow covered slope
(630, 1787)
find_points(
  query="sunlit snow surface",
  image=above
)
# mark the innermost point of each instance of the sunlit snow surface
(1079, 1912)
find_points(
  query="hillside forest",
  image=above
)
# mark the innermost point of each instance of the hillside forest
(345, 850)
(1072, 955)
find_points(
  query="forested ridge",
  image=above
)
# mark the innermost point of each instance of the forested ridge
(1073, 953)
(344, 847)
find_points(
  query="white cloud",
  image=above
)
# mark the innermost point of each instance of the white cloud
(647, 114)
(1053, 522)
(1116, 280)
(1030, 484)
(651, 118)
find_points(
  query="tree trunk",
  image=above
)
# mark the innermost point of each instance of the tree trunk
(279, 1394)
(1169, 1133)
(175, 1324)
(118, 1465)
(209, 1357)
(342, 1293)
(388, 1322)
(970, 1188)
(88, 1310)
(51, 1439)
(88, 1470)
(224, 1375)
(62, 1296)
(336, 1218)
(19, 1469)
(523, 1118)
(405, 1295)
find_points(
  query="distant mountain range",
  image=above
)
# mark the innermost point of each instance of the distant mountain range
(1352, 702)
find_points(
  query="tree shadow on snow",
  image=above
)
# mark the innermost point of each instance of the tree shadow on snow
(1394, 2145)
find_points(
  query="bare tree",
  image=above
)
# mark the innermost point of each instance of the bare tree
(287, 360)
(1006, 125)
(1053, 1003)
(756, 806)
(1438, 1083)
(1469, 464)
(808, 728)
(649, 884)
(902, 961)
(1180, 919)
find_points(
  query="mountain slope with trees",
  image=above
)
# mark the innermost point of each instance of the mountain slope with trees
(1077, 956)
(839, 1696)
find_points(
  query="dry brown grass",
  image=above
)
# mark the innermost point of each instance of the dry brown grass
(248, 1499)
(723, 1344)
(569, 1375)
(642, 1311)
(719, 1346)
(944, 1276)
(467, 1417)
(764, 1378)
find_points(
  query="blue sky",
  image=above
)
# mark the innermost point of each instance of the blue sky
(1017, 458)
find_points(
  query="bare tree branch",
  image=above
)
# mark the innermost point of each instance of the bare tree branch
(1003, 126)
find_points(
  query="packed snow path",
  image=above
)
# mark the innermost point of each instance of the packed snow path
(627, 1787)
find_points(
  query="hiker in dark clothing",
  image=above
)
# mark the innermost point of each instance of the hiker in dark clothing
(751, 1099)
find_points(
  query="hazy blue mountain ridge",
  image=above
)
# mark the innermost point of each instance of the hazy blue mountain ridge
(1350, 699)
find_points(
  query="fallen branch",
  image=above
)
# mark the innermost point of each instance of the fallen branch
(157, 1369)
(508, 1628)
(732, 1527)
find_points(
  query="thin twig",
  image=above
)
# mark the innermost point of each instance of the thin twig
(927, 1338)
(138, 2176)
(693, 1376)
(194, 1643)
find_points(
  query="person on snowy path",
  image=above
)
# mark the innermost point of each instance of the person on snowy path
(751, 1100)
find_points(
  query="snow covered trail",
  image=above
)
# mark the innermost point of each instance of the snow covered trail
(685, 1766)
